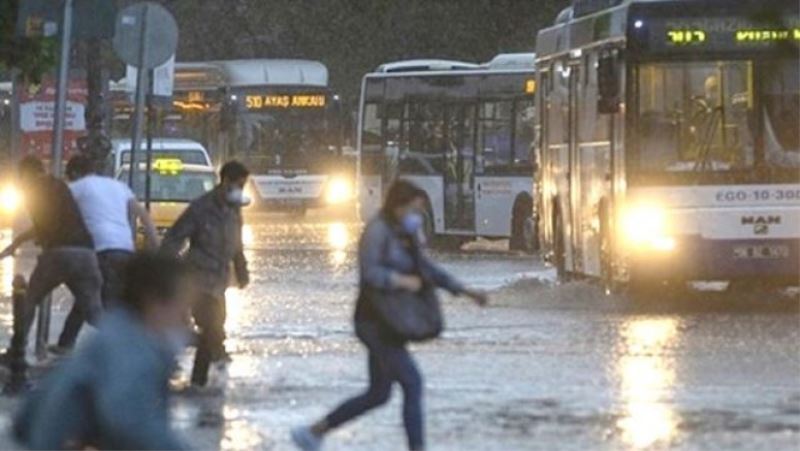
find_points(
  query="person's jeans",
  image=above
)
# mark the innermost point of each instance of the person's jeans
(112, 267)
(388, 363)
(75, 267)
(209, 316)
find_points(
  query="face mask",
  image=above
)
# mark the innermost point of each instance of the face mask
(175, 340)
(236, 197)
(412, 222)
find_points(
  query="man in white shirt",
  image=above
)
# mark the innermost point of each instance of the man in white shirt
(110, 211)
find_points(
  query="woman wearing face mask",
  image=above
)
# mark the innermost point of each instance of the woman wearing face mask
(389, 258)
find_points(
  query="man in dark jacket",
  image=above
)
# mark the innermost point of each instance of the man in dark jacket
(67, 257)
(213, 226)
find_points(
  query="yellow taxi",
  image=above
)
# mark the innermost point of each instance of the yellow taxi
(173, 185)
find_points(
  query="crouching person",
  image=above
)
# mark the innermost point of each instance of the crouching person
(112, 393)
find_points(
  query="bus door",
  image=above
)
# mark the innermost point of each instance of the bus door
(575, 217)
(459, 173)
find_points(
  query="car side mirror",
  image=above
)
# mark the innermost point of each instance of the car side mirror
(608, 85)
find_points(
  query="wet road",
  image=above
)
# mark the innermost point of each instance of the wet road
(546, 366)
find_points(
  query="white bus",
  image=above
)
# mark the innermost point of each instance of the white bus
(463, 132)
(670, 141)
(277, 116)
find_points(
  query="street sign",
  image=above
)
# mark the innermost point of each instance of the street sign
(37, 116)
(146, 35)
(163, 82)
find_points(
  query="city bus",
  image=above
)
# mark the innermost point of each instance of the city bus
(669, 141)
(279, 117)
(464, 133)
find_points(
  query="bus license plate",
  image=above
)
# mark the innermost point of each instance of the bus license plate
(761, 252)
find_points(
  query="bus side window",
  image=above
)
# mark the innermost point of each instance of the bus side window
(494, 128)
(524, 133)
(372, 136)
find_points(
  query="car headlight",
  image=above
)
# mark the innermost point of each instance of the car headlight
(10, 199)
(338, 190)
(645, 226)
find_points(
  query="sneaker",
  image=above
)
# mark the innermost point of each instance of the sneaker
(6, 360)
(59, 350)
(305, 439)
(200, 391)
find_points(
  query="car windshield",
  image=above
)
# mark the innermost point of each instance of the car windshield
(696, 116)
(168, 187)
(187, 156)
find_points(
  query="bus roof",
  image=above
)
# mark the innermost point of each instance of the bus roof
(512, 61)
(421, 65)
(252, 72)
(502, 63)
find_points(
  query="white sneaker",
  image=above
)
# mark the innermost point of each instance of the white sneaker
(305, 439)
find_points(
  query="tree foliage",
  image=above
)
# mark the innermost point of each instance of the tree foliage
(33, 57)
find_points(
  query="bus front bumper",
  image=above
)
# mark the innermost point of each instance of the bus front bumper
(697, 258)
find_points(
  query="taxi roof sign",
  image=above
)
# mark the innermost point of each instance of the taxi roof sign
(168, 166)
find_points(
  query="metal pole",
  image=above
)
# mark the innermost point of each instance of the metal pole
(151, 123)
(61, 89)
(136, 140)
(43, 323)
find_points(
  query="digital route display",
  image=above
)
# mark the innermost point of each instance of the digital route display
(671, 35)
(284, 101)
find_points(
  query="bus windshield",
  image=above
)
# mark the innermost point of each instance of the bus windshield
(701, 116)
(693, 116)
(291, 138)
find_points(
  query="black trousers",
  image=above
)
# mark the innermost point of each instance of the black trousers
(112, 267)
(209, 314)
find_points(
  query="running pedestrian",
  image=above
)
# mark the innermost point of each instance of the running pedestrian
(213, 226)
(390, 258)
(113, 393)
(67, 258)
(111, 213)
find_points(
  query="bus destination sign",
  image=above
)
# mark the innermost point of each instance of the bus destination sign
(284, 101)
(719, 34)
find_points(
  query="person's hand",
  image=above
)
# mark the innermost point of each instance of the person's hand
(407, 282)
(243, 280)
(479, 297)
(7, 252)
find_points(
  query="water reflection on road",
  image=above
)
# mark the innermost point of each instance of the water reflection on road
(646, 374)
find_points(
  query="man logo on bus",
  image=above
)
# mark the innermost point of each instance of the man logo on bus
(761, 223)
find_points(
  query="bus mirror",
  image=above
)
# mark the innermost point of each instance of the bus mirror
(227, 120)
(608, 85)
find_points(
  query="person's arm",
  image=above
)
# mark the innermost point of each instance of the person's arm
(182, 230)
(21, 239)
(140, 214)
(441, 278)
(240, 262)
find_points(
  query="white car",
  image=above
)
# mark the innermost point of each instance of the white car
(187, 151)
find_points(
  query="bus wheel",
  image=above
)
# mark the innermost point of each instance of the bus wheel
(521, 214)
(559, 249)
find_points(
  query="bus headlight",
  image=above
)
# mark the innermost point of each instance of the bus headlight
(10, 199)
(645, 226)
(338, 190)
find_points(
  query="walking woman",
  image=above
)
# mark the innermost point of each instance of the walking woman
(390, 259)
